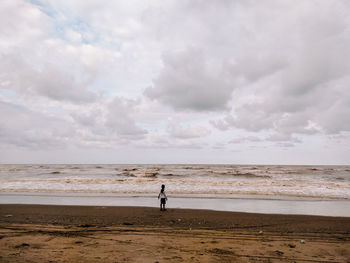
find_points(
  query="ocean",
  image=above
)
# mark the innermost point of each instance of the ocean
(247, 188)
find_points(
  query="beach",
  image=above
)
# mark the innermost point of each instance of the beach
(47, 233)
(216, 213)
(235, 115)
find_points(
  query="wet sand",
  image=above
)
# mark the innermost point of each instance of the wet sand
(41, 233)
(263, 204)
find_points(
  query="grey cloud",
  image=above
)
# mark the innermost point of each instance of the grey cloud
(281, 68)
(119, 118)
(47, 80)
(336, 118)
(110, 126)
(249, 118)
(224, 123)
(306, 89)
(88, 119)
(219, 146)
(196, 81)
(188, 81)
(189, 132)
(59, 85)
(33, 130)
(158, 140)
(252, 67)
(246, 139)
(111, 120)
(285, 144)
(283, 137)
(316, 65)
(292, 77)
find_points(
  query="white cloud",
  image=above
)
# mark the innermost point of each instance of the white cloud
(21, 23)
(73, 36)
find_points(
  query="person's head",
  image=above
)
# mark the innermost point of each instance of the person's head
(163, 187)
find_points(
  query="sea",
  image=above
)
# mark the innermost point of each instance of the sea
(281, 189)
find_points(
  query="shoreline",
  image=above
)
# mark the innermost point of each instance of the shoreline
(245, 196)
(257, 204)
(42, 233)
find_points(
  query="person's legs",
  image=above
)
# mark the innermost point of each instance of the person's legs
(164, 201)
(162, 204)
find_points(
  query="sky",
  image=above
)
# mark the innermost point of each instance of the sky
(168, 81)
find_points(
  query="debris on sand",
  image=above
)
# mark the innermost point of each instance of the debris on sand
(280, 253)
(8, 215)
(22, 245)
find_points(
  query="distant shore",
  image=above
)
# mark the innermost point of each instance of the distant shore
(134, 234)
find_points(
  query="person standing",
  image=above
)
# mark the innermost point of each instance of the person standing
(163, 198)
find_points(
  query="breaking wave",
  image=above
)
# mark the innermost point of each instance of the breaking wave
(303, 181)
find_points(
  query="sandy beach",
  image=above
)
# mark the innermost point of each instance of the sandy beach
(40, 233)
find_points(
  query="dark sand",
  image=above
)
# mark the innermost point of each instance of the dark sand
(40, 233)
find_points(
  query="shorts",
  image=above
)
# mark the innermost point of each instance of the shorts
(162, 200)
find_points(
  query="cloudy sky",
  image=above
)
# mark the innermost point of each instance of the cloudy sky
(175, 81)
